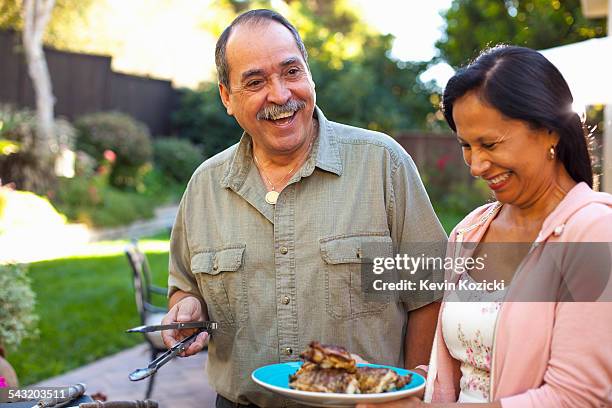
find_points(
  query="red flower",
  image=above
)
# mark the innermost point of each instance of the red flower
(110, 156)
(442, 162)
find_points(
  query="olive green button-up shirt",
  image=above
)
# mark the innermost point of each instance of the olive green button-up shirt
(276, 277)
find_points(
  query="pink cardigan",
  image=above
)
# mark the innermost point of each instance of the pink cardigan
(545, 354)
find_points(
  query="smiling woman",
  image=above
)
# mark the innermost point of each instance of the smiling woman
(511, 110)
(529, 98)
(491, 144)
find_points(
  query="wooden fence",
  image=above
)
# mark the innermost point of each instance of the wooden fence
(436, 152)
(84, 83)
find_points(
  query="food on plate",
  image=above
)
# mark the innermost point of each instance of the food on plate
(329, 356)
(374, 380)
(317, 379)
(329, 368)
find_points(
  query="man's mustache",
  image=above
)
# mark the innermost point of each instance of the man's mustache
(269, 112)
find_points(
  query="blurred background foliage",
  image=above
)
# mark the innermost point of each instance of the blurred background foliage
(472, 25)
(358, 80)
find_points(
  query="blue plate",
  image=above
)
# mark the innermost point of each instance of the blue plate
(275, 377)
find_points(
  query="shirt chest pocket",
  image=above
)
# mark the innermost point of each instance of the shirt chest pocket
(348, 267)
(222, 282)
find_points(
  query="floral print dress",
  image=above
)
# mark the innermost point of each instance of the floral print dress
(467, 327)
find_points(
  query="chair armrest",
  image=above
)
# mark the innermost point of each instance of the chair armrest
(158, 290)
(155, 309)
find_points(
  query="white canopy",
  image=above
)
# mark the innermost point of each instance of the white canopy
(587, 68)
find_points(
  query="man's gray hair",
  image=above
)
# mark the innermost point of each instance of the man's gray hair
(254, 17)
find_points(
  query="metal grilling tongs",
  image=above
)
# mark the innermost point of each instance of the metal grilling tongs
(142, 373)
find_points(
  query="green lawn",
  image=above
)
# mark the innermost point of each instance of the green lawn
(85, 303)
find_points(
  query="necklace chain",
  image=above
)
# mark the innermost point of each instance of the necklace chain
(286, 176)
(272, 195)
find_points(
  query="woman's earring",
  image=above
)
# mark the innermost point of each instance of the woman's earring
(552, 153)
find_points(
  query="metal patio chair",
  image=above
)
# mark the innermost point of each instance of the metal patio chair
(148, 312)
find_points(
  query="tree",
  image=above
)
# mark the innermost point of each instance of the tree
(64, 21)
(36, 15)
(357, 82)
(472, 25)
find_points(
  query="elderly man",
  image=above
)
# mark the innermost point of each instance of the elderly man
(269, 236)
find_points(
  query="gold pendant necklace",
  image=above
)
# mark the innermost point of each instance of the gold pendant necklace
(272, 197)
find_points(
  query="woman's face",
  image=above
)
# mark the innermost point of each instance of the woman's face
(512, 157)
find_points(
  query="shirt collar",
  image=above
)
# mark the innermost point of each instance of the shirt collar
(325, 149)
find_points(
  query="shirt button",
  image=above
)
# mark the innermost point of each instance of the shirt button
(283, 250)
(286, 300)
(215, 267)
(558, 230)
(288, 351)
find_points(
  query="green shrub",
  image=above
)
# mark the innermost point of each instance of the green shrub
(119, 208)
(19, 161)
(201, 118)
(177, 158)
(162, 188)
(18, 320)
(84, 164)
(89, 197)
(127, 138)
(90, 200)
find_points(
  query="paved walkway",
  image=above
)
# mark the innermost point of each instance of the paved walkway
(163, 219)
(181, 383)
(57, 239)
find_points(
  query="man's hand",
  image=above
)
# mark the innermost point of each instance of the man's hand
(188, 309)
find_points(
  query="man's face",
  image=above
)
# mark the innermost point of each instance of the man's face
(267, 71)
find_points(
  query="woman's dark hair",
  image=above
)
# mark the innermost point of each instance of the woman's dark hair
(522, 84)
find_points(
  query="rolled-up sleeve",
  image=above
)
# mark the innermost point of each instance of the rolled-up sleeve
(414, 226)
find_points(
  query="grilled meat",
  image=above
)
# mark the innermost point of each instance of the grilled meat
(329, 356)
(374, 380)
(325, 380)
(330, 368)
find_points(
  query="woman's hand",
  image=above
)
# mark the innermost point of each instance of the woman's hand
(410, 402)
